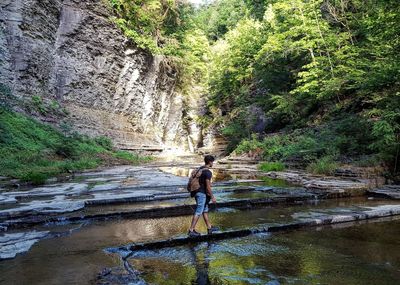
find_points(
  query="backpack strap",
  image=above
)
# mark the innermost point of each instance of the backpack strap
(198, 170)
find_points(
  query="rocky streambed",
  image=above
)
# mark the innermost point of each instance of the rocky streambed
(105, 226)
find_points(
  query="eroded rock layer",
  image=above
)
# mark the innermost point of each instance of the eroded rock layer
(68, 52)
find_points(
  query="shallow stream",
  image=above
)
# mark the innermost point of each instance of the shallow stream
(364, 254)
(348, 253)
(78, 257)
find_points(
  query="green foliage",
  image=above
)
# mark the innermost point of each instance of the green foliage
(194, 63)
(233, 65)
(387, 143)
(248, 145)
(32, 151)
(45, 108)
(132, 157)
(104, 142)
(332, 65)
(237, 128)
(369, 161)
(66, 148)
(325, 165)
(36, 177)
(324, 72)
(54, 106)
(156, 25)
(37, 103)
(271, 166)
(221, 16)
(6, 97)
(348, 136)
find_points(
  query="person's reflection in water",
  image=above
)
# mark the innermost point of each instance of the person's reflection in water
(201, 261)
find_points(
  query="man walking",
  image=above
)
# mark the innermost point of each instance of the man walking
(203, 197)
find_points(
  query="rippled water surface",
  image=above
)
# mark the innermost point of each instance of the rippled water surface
(367, 252)
(364, 254)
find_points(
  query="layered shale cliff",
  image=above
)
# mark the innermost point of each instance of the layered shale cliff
(69, 52)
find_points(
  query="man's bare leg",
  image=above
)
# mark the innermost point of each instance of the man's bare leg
(207, 220)
(195, 219)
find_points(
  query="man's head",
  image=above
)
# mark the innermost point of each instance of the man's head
(208, 160)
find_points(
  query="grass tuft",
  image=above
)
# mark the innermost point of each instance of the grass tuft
(325, 165)
(271, 166)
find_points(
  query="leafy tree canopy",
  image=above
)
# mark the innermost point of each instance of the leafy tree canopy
(299, 64)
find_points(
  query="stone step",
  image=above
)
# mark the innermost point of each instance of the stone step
(387, 191)
(237, 161)
(156, 212)
(319, 220)
(343, 188)
(133, 147)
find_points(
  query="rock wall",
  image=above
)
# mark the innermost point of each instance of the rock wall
(69, 52)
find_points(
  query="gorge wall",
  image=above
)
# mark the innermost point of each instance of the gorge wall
(69, 52)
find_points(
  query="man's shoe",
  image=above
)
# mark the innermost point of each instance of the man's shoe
(194, 233)
(213, 230)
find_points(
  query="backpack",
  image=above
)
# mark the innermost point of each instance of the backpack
(194, 180)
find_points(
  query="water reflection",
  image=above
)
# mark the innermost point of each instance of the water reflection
(366, 254)
(370, 252)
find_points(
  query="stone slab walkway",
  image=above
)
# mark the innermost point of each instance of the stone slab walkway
(115, 184)
(302, 222)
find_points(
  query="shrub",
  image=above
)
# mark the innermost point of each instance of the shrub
(247, 145)
(66, 148)
(325, 165)
(54, 106)
(105, 142)
(36, 177)
(131, 157)
(6, 97)
(346, 137)
(271, 166)
(368, 161)
(83, 163)
(39, 105)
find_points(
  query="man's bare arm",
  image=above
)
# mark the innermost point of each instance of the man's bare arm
(209, 192)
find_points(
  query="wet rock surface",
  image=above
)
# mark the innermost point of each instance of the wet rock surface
(7, 200)
(388, 191)
(71, 252)
(123, 207)
(130, 184)
(330, 185)
(301, 220)
(127, 184)
(14, 243)
(106, 186)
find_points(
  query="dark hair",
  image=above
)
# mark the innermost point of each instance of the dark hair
(208, 159)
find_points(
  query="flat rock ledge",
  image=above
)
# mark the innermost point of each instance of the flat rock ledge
(4, 200)
(334, 187)
(370, 213)
(157, 212)
(387, 191)
(14, 243)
